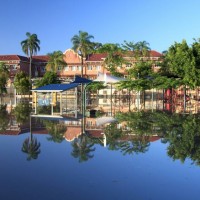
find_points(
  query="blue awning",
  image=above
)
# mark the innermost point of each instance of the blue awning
(79, 79)
(56, 87)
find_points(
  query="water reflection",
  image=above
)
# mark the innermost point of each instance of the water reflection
(129, 133)
(31, 147)
(180, 131)
(55, 130)
(82, 149)
(4, 118)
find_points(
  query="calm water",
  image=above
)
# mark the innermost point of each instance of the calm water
(107, 174)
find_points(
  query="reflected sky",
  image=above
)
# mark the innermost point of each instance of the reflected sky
(56, 174)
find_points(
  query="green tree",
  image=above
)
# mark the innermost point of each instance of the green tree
(4, 76)
(22, 112)
(113, 135)
(56, 130)
(55, 61)
(49, 77)
(82, 45)
(181, 61)
(136, 50)
(21, 83)
(82, 148)
(30, 46)
(142, 49)
(184, 138)
(114, 58)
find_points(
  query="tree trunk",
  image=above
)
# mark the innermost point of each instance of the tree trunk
(30, 75)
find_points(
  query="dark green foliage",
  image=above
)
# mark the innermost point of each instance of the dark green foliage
(22, 83)
(4, 118)
(182, 61)
(95, 86)
(56, 130)
(22, 112)
(49, 78)
(4, 76)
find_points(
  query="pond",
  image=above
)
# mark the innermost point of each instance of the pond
(63, 165)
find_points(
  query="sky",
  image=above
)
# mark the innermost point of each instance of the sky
(161, 23)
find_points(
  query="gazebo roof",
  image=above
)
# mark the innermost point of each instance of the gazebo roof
(56, 87)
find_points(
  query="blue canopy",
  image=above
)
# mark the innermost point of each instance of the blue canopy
(79, 79)
(56, 87)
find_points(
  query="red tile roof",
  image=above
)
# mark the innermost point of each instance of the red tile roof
(42, 58)
(101, 56)
(96, 57)
(13, 57)
(155, 54)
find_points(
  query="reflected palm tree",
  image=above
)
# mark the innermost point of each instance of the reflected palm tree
(82, 148)
(139, 145)
(31, 146)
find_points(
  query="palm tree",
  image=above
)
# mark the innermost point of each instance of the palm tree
(82, 45)
(142, 48)
(114, 57)
(55, 61)
(30, 46)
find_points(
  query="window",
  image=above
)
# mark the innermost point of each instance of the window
(104, 100)
(104, 92)
(79, 68)
(42, 69)
(98, 68)
(60, 68)
(128, 65)
(89, 67)
(66, 68)
(13, 67)
(74, 68)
